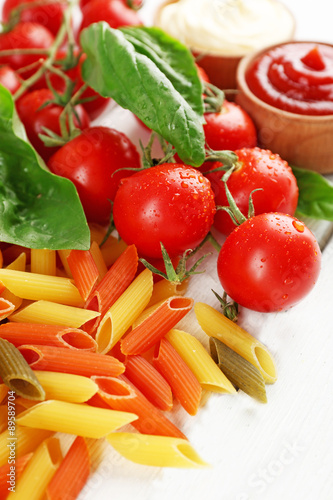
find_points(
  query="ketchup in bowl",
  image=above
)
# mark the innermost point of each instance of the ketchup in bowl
(295, 77)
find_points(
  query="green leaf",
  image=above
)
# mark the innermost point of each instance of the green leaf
(144, 80)
(315, 194)
(37, 209)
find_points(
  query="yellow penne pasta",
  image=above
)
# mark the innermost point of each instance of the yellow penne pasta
(51, 313)
(215, 324)
(124, 311)
(43, 261)
(158, 451)
(99, 260)
(3, 418)
(63, 254)
(164, 289)
(25, 441)
(19, 263)
(38, 472)
(72, 418)
(199, 361)
(34, 286)
(66, 386)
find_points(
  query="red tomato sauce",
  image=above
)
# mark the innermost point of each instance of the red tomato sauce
(295, 77)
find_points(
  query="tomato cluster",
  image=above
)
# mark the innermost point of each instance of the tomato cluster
(267, 263)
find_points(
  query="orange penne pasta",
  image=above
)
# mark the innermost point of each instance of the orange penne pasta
(6, 308)
(72, 473)
(121, 395)
(5, 470)
(77, 362)
(149, 381)
(99, 260)
(113, 285)
(84, 271)
(156, 325)
(52, 335)
(183, 382)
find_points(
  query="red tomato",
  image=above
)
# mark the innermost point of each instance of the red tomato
(257, 168)
(9, 79)
(49, 15)
(90, 161)
(169, 203)
(133, 4)
(269, 263)
(34, 119)
(25, 36)
(232, 128)
(114, 12)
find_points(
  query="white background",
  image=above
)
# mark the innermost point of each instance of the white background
(257, 452)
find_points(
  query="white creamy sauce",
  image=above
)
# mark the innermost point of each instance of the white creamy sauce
(227, 27)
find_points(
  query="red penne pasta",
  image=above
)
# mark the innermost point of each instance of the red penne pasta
(20, 464)
(84, 271)
(78, 362)
(6, 308)
(183, 382)
(72, 474)
(120, 394)
(114, 283)
(155, 326)
(149, 381)
(52, 335)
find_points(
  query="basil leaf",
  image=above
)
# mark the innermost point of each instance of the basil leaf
(115, 68)
(37, 209)
(173, 59)
(315, 194)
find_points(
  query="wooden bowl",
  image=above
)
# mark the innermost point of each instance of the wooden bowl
(220, 68)
(302, 140)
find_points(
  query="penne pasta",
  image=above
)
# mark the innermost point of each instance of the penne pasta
(149, 381)
(19, 263)
(63, 254)
(34, 286)
(5, 472)
(17, 374)
(43, 261)
(72, 474)
(182, 381)
(12, 252)
(112, 248)
(113, 285)
(83, 270)
(240, 372)
(77, 362)
(124, 311)
(38, 472)
(6, 308)
(99, 260)
(66, 386)
(196, 357)
(3, 418)
(52, 335)
(157, 451)
(3, 392)
(156, 325)
(121, 395)
(72, 418)
(26, 441)
(164, 289)
(14, 301)
(216, 325)
(51, 313)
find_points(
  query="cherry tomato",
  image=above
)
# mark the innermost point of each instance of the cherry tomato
(170, 203)
(25, 36)
(114, 12)
(49, 15)
(34, 119)
(257, 168)
(269, 263)
(9, 79)
(232, 128)
(90, 161)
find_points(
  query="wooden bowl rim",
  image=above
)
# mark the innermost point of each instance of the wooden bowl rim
(288, 115)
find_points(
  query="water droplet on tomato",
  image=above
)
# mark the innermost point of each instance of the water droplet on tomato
(288, 281)
(263, 260)
(184, 184)
(285, 296)
(299, 226)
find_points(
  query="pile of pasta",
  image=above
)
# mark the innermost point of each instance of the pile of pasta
(89, 344)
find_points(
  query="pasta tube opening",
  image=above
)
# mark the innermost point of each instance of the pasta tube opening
(25, 387)
(79, 340)
(266, 363)
(189, 453)
(180, 303)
